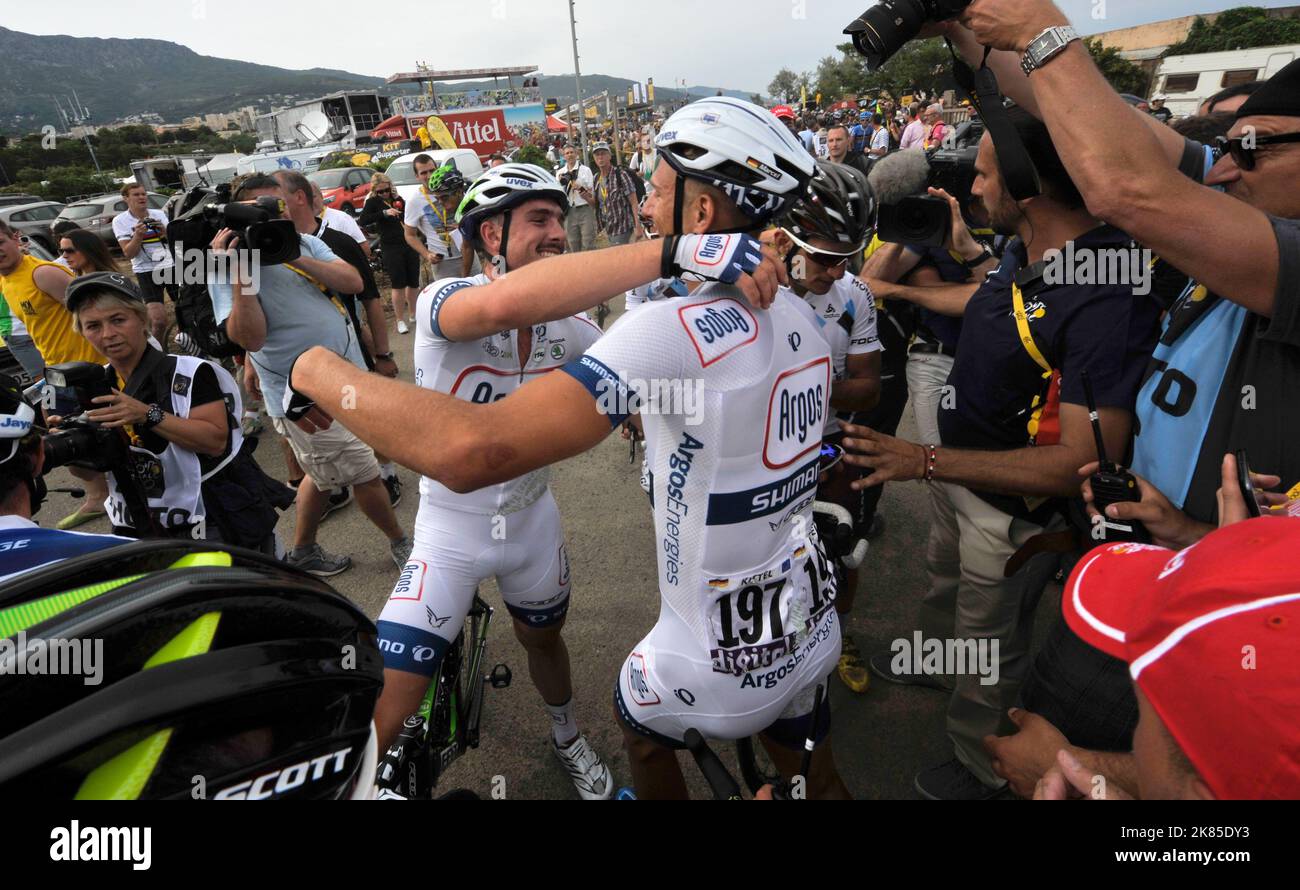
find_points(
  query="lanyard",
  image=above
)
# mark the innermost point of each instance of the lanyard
(1022, 325)
(320, 287)
(435, 207)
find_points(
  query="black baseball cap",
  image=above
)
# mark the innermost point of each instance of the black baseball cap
(81, 288)
(1279, 96)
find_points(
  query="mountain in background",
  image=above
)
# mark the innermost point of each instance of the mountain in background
(118, 77)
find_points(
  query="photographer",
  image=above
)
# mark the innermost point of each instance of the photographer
(294, 309)
(186, 451)
(579, 184)
(24, 545)
(141, 232)
(1014, 434)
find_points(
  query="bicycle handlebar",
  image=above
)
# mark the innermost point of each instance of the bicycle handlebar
(843, 520)
(723, 785)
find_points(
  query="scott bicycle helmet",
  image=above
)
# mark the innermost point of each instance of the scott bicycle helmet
(740, 148)
(186, 670)
(839, 206)
(501, 189)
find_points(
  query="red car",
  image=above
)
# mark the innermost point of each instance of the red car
(344, 188)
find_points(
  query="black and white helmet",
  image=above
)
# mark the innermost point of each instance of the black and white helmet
(742, 149)
(503, 188)
(838, 206)
(17, 418)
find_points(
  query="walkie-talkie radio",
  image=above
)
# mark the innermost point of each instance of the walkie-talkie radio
(1111, 485)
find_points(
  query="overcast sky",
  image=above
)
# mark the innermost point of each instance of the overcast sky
(737, 44)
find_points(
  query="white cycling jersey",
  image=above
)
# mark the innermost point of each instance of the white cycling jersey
(485, 370)
(740, 568)
(846, 315)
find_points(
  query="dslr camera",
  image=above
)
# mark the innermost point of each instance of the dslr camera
(261, 227)
(83, 443)
(883, 29)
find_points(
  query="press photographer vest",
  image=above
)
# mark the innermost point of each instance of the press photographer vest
(172, 480)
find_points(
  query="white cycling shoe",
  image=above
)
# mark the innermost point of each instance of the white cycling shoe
(590, 775)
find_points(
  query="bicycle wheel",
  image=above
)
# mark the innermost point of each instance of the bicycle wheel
(756, 767)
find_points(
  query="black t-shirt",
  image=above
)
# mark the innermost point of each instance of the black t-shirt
(1103, 329)
(932, 325)
(391, 231)
(348, 250)
(203, 390)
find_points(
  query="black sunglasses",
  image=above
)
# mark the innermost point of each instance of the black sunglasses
(67, 250)
(1245, 156)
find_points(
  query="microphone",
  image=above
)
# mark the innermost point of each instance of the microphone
(900, 175)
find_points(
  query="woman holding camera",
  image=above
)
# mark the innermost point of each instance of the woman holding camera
(188, 458)
(384, 210)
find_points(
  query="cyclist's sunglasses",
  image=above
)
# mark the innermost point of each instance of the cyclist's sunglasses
(1245, 156)
(822, 258)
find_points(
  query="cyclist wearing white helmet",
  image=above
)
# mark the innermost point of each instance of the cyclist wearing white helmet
(822, 233)
(510, 530)
(747, 629)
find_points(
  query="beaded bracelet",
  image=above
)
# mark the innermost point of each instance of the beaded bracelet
(930, 464)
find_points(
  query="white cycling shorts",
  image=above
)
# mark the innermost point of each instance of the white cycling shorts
(453, 553)
(667, 686)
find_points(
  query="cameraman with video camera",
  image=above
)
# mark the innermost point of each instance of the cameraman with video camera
(24, 545)
(294, 308)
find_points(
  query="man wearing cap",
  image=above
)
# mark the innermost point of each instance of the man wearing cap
(617, 213)
(1225, 612)
(1158, 110)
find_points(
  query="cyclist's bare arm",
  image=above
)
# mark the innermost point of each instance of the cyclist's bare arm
(564, 285)
(464, 446)
(860, 388)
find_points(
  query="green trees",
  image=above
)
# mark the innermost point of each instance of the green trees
(1240, 28)
(1122, 74)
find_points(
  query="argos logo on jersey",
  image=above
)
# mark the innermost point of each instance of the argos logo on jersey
(796, 413)
(718, 328)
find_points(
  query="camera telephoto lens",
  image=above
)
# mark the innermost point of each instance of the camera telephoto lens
(883, 29)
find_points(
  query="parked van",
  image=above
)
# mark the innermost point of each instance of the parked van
(1190, 80)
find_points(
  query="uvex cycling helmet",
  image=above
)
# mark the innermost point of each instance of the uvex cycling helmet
(838, 206)
(185, 670)
(740, 148)
(500, 190)
(446, 179)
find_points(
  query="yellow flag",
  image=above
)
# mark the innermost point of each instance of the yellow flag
(803, 96)
(439, 133)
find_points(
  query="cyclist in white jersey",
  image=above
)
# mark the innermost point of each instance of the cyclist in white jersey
(511, 530)
(747, 628)
(820, 235)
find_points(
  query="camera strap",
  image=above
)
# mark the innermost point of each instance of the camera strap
(981, 88)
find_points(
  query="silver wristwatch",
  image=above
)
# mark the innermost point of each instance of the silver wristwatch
(1047, 46)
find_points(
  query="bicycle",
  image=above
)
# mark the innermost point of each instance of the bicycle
(446, 724)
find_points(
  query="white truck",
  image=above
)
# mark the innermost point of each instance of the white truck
(1188, 81)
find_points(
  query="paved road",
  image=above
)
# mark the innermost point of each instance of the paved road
(881, 738)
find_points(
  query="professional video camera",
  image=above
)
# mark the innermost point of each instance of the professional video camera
(261, 227)
(882, 30)
(205, 212)
(83, 443)
(907, 214)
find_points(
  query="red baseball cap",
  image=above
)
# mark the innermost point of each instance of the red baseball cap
(1212, 636)
(784, 112)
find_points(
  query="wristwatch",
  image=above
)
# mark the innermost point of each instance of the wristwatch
(153, 417)
(1047, 46)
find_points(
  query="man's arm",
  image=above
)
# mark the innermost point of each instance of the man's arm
(860, 388)
(416, 240)
(890, 262)
(54, 282)
(1038, 471)
(463, 445)
(1130, 182)
(946, 299)
(246, 324)
(337, 275)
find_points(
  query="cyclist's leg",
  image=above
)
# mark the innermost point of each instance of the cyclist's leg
(426, 610)
(534, 581)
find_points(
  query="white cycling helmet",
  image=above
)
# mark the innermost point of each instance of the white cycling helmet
(16, 418)
(503, 188)
(742, 149)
